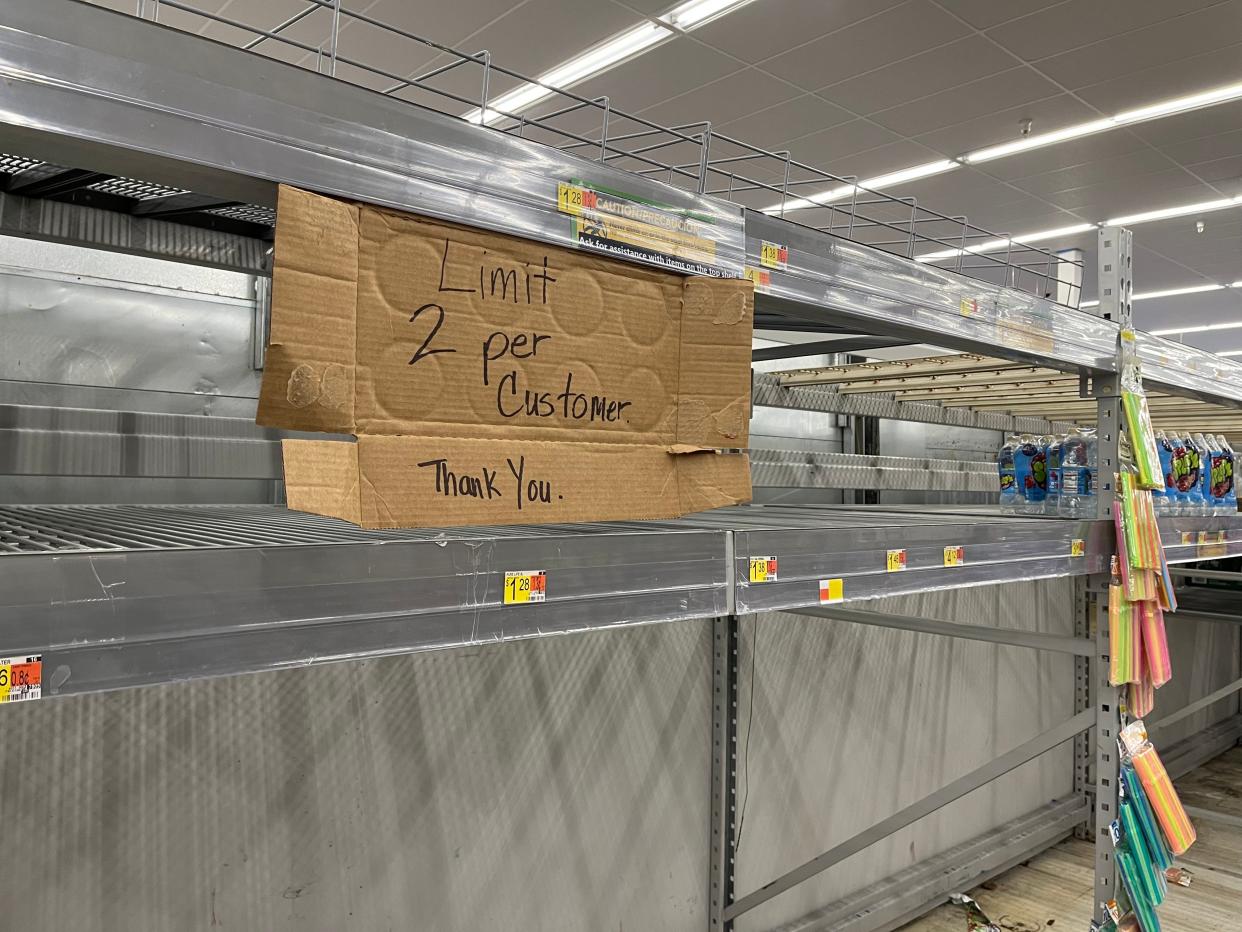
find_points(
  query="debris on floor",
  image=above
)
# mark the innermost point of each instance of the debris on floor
(976, 921)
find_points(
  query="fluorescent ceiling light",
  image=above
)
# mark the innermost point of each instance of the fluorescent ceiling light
(695, 13)
(1231, 352)
(1202, 329)
(592, 62)
(1173, 293)
(1208, 98)
(1036, 142)
(1164, 213)
(608, 54)
(1167, 212)
(992, 245)
(879, 181)
(1180, 104)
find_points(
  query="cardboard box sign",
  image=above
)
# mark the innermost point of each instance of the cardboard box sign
(494, 380)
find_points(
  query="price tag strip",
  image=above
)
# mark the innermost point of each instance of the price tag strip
(523, 586)
(21, 678)
(896, 561)
(1078, 547)
(954, 555)
(1188, 538)
(831, 591)
(762, 569)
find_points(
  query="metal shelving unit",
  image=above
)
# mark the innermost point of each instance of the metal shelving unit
(114, 140)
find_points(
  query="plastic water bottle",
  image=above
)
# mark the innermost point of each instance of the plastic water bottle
(1009, 496)
(1182, 480)
(1030, 469)
(1213, 463)
(1162, 498)
(1052, 504)
(1195, 502)
(1219, 475)
(1229, 501)
(1078, 465)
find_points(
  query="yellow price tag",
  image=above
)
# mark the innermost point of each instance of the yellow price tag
(773, 255)
(1078, 547)
(1188, 538)
(762, 569)
(523, 586)
(955, 555)
(970, 307)
(1203, 537)
(761, 278)
(896, 561)
(571, 199)
(831, 591)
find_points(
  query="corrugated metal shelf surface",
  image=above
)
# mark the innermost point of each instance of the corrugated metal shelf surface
(116, 596)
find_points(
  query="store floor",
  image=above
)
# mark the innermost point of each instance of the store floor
(1053, 890)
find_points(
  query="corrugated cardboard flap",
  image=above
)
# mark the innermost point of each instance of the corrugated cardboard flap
(308, 371)
(322, 477)
(713, 390)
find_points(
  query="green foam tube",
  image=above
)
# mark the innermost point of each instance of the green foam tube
(1143, 908)
(1157, 847)
(1144, 863)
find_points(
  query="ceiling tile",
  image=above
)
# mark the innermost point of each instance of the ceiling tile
(646, 80)
(1117, 169)
(984, 14)
(825, 149)
(920, 75)
(980, 99)
(730, 98)
(1115, 198)
(1080, 23)
(897, 33)
(1177, 78)
(1003, 125)
(1226, 172)
(1197, 125)
(774, 127)
(1190, 34)
(767, 28)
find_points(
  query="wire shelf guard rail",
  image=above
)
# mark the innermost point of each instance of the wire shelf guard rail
(693, 156)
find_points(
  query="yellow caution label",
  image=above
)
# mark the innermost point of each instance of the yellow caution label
(831, 591)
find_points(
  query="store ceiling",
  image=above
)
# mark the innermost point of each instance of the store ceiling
(864, 87)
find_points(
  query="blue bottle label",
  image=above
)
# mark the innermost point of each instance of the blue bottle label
(1031, 472)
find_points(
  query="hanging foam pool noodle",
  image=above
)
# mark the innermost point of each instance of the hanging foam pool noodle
(1165, 803)
(1152, 836)
(1155, 643)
